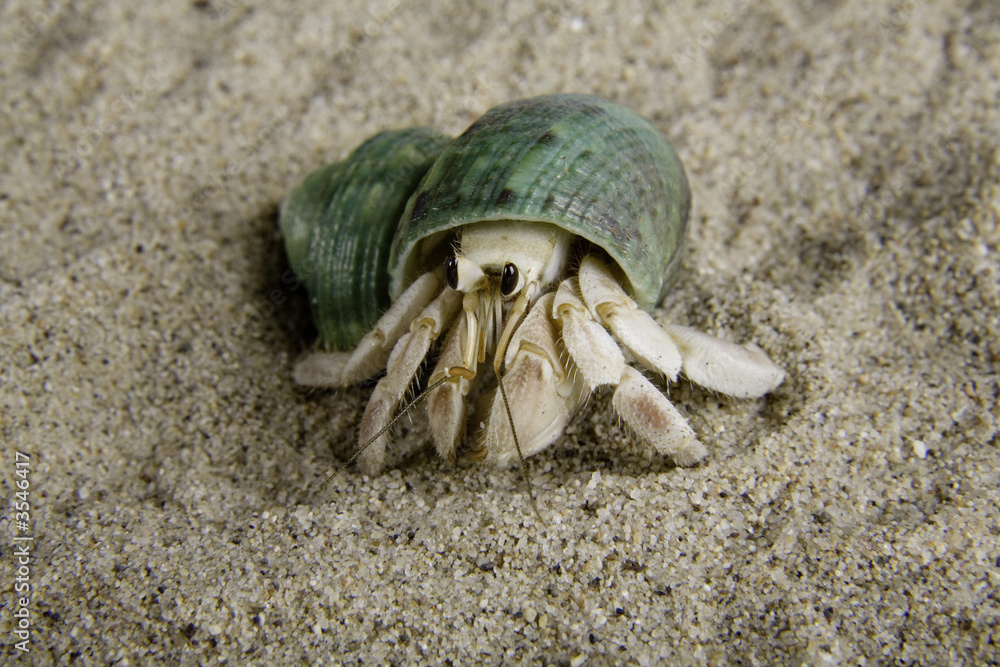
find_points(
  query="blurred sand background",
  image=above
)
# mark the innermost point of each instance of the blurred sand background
(844, 162)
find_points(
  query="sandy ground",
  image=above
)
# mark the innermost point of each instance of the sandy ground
(844, 162)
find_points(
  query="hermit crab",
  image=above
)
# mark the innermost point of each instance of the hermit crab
(526, 254)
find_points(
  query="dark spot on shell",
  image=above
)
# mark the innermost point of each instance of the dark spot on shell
(585, 156)
(475, 127)
(613, 227)
(547, 138)
(506, 197)
(593, 110)
(550, 203)
(419, 207)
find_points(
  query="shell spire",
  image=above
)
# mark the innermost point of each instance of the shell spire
(338, 226)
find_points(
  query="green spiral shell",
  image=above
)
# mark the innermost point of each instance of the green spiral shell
(338, 227)
(591, 167)
(359, 231)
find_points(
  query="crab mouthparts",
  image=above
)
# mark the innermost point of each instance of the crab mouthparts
(483, 315)
(490, 323)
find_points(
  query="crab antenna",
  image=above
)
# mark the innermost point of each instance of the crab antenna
(517, 445)
(514, 317)
(406, 408)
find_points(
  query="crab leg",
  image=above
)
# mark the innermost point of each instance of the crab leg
(636, 400)
(339, 369)
(744, 371)
(404, 361)
(736, 370)
(446, 402)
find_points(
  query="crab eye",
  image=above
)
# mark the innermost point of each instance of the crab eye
(451, 272)
(509, 281)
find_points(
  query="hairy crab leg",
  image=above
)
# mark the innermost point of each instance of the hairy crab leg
(446, 413)
(339, 369)
(405, 360)
(636, 400)
(743, 371)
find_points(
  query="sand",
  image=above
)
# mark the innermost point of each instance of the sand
(846, 176)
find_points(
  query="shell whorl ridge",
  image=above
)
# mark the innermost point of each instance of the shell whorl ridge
(359, 231)
(597, 169)
(338, 226)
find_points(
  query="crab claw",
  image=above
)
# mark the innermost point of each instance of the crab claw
(542, 392)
